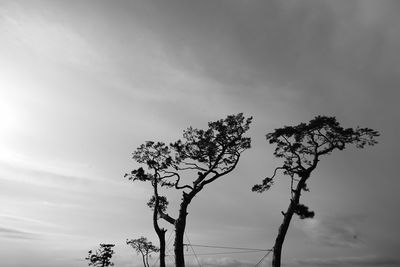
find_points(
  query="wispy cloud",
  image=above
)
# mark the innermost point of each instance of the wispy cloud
(7, 218)
(46, 38)
(221, 262)
(41, 176)
(20, 227)
(336, 232)
(6, 232)
(369, 260)
(67, 175)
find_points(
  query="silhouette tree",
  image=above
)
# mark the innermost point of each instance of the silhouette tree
(101, 257)
(301, 148)
(144, 247)
(157, 157)
(205, 155)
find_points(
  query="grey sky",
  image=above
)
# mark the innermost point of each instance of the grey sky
(83, 83)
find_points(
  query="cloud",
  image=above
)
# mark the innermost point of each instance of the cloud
(222, 262)
(335, 232)
(369, 260)
(66, 175)
(19, 219)
(12, 233)
(33, 229)
(41, 176)
(47, 38)
(327, 55)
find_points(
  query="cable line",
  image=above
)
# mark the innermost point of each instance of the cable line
(262, 259)
(241, 250)
(158, 258)
(225, 253)
(168, 240)
(207, 246)
(198, 262)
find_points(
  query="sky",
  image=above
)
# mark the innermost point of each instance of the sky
(84, 83)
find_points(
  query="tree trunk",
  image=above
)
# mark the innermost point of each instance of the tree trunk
(144, 260)
(277, 250)
(161, 237)
(180, 226)
(160, 232)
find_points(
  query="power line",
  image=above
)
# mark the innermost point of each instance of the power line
(225, 253)
(194, 253)
(207, 246)
(262, 259)
(158, 258)
(168, 240)
(243, 250)
(168, 249)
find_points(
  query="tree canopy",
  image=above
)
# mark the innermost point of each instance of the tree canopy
(301, 147)
(102, 256)
(189, 164)
(144, 247)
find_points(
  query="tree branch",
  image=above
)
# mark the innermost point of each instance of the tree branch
(181, 187)
(166, 217)
(204, 182)
(196, 167)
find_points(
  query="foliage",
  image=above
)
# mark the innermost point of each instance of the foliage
(143, 247)
(156, 156)
(301, 146)
(303, 212)
(162, 205)
(102, 256)
(211, 153)
(203, 155)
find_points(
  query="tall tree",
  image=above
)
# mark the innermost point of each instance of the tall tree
(301, 148)
(144, 247)
(157, 158)
(204, 155)
(102, 256)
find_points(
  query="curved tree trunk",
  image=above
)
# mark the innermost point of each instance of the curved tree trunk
(161, 236)
(180, 226)
(277, 250)
(147, 260)
(144, 260)
(160, 232)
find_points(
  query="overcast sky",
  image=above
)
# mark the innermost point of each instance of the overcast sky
(84, 83)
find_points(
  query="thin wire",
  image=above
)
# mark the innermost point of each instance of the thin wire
(225, 253)
(167, 248)
(262, 259)
(245, 250)
(158, 258)
(154, 263)
(197, 259)
(168, 240)
(172, 260)
(206, 246)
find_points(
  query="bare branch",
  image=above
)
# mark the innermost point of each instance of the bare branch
(228, 170)
(266, 182)
(169, 174)
(181, 187)
(166, 217)
(196, 167)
